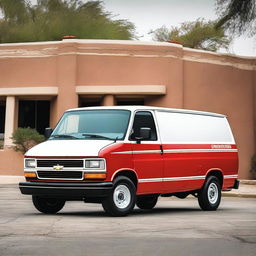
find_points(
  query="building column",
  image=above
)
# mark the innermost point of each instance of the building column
(66, 81)
(9, 120)
(108, 100)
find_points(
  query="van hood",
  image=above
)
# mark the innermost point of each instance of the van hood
(68, 148)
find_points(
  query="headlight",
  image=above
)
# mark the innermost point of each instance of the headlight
(30, 163)
(95, 164)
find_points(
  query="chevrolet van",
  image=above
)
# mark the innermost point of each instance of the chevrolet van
(126, 155)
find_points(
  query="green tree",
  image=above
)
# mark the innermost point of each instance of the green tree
(237, 16)
(199, 34)
(52, 19)
(14, 11)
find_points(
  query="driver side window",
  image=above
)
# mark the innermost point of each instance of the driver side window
(143, 119)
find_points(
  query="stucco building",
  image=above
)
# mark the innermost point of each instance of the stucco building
(39, 81)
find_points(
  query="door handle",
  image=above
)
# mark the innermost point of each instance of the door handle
(161, 149)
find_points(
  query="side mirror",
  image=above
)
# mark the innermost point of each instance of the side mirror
(145, 134)
(47, 132)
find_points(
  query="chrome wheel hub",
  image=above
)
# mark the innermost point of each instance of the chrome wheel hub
(213, 193)
(122, 196)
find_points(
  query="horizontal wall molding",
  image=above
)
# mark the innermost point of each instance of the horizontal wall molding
(122, 89)
(200, 59)
(123, 48)
(27, 91)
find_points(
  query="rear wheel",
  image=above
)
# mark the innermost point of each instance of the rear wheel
(147, 202)
(121, 200)
(209, 196)
(48, 205)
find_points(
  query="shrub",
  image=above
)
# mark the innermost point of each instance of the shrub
(26, 138)
(253, 166)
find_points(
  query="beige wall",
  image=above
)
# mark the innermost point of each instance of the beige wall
(11, 162)
(163, 74)
(211, 92)
(26, 72)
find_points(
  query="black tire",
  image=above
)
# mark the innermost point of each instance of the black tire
(121, 200)
(147, 202)
(48, 205)
(209, 196)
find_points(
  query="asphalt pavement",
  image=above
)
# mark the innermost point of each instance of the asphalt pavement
(174, 227)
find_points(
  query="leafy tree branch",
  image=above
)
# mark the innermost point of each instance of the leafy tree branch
(199, 34)
(52, 19)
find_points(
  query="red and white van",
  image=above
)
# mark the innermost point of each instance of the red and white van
(122, 156)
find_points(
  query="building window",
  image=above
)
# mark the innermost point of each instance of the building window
(89, 102)
(129, 101)
(2, 122)
(34, 114)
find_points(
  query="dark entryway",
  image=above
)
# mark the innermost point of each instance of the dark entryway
(34, 114)
(128, 102)
(89, 102)
(2, 116)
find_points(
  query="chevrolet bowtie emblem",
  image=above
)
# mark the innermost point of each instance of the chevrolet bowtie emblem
(58, 167)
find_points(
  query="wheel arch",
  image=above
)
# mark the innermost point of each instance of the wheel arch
(217, 173)
(129, 173)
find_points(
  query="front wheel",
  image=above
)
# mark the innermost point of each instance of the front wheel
(121, 200)
(48, 205)
(210, 195)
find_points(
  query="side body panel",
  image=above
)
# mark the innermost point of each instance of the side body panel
(180, 168)
(186, 166)
(194, 145)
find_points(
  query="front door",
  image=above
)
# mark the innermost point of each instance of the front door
(147, 155)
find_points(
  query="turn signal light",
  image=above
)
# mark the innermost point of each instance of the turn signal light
(30, 174)
(95, 175)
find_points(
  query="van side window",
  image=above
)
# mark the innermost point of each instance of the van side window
(143, 119)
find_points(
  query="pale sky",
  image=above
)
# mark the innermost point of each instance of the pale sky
(152, 14)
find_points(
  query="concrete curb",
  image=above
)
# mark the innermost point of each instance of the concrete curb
(248, 182)
(10, 179)
(230, 194)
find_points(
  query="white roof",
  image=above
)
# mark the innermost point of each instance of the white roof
(135, 108)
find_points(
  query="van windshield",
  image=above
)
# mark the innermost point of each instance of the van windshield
(92, 125)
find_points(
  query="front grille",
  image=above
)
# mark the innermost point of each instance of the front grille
(65, 163)
(60, 174)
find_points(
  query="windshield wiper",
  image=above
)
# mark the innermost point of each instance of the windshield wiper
(64, 136)
(98, 136)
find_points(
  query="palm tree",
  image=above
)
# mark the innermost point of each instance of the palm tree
(238, 16)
